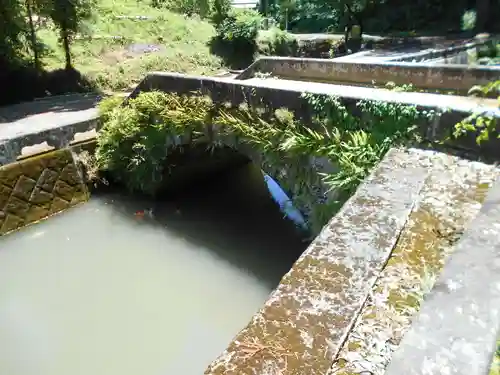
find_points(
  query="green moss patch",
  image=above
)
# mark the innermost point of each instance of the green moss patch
(37, 187)
(450, 199)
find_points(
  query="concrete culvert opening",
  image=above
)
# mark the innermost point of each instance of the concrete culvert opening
(145, 285)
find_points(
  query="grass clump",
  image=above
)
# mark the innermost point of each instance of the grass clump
(125, 40)
(277, 42)
(495, 366)
(135, 142)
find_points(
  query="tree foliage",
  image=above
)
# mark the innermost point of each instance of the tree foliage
(68, 15)
(384, 15)
(18, 39)
(12, 29)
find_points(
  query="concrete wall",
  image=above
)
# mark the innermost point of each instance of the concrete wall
(274, 94)
(460, 58)
(304, 323)
(457, 327)
(426, 76)
(37, 187)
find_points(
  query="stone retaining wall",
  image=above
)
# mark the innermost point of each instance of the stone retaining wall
(37, 187)
(426, 76)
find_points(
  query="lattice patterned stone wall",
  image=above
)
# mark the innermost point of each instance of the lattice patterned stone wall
(37, 187)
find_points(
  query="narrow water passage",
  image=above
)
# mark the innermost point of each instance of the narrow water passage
(100, 290)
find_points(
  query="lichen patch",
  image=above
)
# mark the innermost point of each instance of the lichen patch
(306, 319)
(450, 199)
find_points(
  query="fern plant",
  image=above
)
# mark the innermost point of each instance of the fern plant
(485, 124)
(135, 141)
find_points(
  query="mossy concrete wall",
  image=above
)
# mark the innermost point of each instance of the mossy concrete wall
(273, 94)
(426, 76)
(37, 187)
(458, 325)
(304, 324)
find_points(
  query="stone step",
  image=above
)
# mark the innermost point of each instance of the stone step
(450, 199)
(457, 327)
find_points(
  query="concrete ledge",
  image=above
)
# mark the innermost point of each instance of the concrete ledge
(307, 318)
(457, 328)
(274, 94)
(426, 76)
(441, 53)
(449, 201)
(48, 124)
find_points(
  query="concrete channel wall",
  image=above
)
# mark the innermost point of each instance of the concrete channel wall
(305, 321)
(451, 55)
(275, 94)
(422, 75)
(458, 324)
(40, 186)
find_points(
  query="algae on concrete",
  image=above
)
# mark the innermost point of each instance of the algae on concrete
(37, 187)
(304, 322)
(495, 366)
(450, 199)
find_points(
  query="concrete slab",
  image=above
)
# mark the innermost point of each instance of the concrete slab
(453, 102)
(45, 124)
(306, 319)
(457, 328)
(451, 198)
(39, 115)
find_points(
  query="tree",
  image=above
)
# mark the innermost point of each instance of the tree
(68, 15)
(12, 29)
(356, 11)
(220, 11)
(33, 38)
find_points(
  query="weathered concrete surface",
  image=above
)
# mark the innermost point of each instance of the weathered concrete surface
(287, 93)
(37, 187)
(449, 201)
(412, 55)
(306, 319)
(426, 76)
(52, 123)
(457, 327)
(274, 94)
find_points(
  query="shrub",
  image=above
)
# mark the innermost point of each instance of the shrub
(236, 37)
(135, 142)
(469, 20)
(219, 11)
(187, 7)
(277, 42)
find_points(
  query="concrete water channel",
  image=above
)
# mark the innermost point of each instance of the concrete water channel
(105, 289)
(213, 279)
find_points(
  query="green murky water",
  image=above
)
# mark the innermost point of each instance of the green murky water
(100, 290)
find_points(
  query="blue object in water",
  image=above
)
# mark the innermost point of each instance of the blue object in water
(285, 203)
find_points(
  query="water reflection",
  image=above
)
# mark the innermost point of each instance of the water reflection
(100, 290)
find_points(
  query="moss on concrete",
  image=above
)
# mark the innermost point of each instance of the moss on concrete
(451, 197)
(304, 322)
(37, 187)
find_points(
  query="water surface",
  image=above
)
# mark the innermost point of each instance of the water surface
(99, 290)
